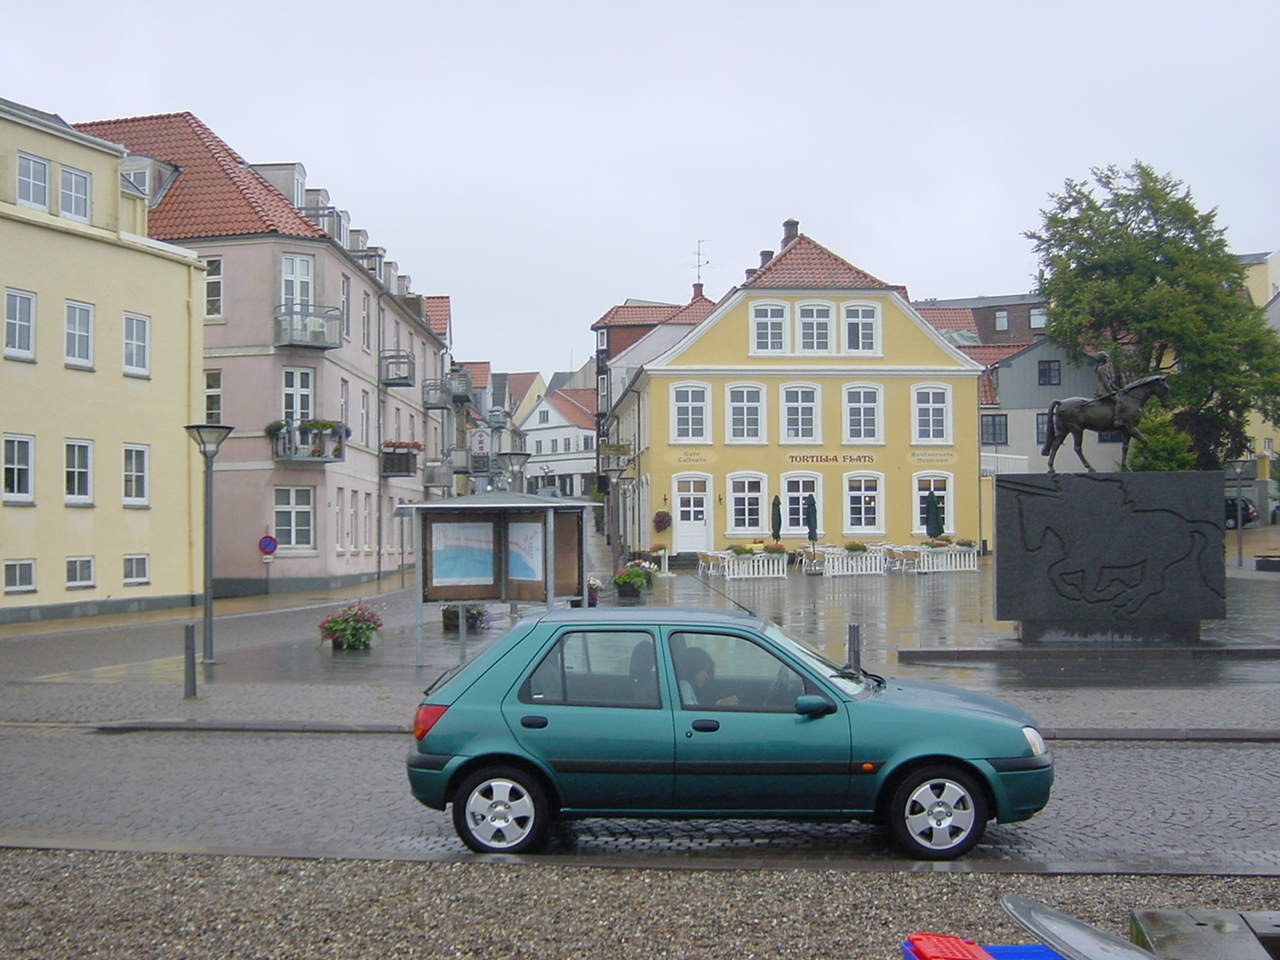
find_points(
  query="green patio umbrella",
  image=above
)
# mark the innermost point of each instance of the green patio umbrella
(775, 519)
(811, 517)
(933, 526)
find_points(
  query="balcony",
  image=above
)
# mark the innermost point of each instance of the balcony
(436, 395)
(437, 474)
(308, 441)
(308, 325)
(460, 460)
(399, 463)
(460, 387)
(397, 368)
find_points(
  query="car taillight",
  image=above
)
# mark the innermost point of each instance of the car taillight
(425, 718)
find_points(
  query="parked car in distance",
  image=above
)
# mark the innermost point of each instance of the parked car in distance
(1247, 512)
(675, 713)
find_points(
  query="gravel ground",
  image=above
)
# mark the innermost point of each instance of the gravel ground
(56, 905)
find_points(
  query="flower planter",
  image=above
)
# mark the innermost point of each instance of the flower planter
(629, 590)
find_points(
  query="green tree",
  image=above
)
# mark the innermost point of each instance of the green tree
(1130, 265)
(1167, 447)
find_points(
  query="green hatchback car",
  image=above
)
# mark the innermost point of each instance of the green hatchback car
(667, 712)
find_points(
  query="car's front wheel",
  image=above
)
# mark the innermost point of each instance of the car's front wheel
(938, 813)
(500, 810)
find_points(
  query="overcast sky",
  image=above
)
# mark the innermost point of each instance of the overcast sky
(539, 161)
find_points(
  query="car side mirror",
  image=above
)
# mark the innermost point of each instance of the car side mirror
(812, 705)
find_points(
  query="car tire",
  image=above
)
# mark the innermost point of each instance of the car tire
(937, 813)
(1231, 523)
(501, 810)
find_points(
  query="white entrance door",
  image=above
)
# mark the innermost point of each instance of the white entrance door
(693, 515)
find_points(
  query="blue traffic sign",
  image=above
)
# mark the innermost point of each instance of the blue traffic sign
(268, 545)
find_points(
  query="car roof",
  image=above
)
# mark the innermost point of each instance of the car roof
(619, 616)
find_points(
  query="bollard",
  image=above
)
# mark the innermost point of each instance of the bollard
(855, 647)
(189, 662)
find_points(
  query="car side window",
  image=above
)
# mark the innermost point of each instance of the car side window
(716, 671)
(596, 668)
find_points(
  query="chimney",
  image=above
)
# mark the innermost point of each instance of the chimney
(697, 290)
(751, 272)
(790, 230)
(765, 257)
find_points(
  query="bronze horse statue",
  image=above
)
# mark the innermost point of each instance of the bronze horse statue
(1121, 411)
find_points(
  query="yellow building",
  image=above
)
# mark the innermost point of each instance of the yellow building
(98, 378)
(811, 378)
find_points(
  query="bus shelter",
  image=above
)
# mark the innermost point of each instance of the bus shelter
(498, 547)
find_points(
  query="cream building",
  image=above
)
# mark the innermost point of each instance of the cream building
(100, 373)
(812, 378)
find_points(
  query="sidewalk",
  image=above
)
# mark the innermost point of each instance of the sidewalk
(125, 671)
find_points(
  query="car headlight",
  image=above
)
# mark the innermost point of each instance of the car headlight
(1034, 741)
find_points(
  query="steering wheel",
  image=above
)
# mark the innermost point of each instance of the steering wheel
(783, 690)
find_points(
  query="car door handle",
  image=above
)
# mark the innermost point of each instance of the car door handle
(706, 726)
(534, 723)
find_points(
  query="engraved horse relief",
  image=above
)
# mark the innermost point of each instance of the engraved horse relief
(1145, 549)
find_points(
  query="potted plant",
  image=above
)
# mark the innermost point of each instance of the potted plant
(936, 545)
(658, 548)
(661, 521)
(965, 543)
(273, 428)
(593, 591)
(647, 569)
(774, 548)
(478, 616)
(351, 628)
(856, 546)
(738, 550)
(629, 581)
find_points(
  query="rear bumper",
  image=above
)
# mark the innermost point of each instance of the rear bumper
(429, 776)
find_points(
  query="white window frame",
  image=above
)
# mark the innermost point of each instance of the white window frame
(77, 474)
(782, 328)
(1037, 318)
(821, 334)
(132, 477)
(785, 408)
(212, 393)
(731, 507)
(14, 581)
(365, 316)
(286, 535)
(761, 435)
(19, 324)
(865, 530)
(688, 406)
(1001, 320)
(364, 418)
(33, 191)
(917, 408)
(75, 194)
(368, 523)
(297, 282)
(83, 565)
(801, 476)
(918, 497)
(854, 345)
(137, 344)
(344, 304)
(19, 471)
(77, 349)
(877, 413)
(213, 288)
(135, 577)
(353, 528)
(339, 521)
(297, 394)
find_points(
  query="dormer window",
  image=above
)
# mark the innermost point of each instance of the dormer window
(861, 328)
(815, 329)
(768, 328)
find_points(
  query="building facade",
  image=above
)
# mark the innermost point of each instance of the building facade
(812, 378)
(315, 350)
(100, 373)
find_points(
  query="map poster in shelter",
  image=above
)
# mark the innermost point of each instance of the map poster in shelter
(525, 551)
(461, 554)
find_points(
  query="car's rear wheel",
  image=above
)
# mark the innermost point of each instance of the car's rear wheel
(1231, 523)
(938, 813)
(500, 810)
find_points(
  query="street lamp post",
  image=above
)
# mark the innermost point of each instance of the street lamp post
(208, 437)
(1238, 466)
(514, 461)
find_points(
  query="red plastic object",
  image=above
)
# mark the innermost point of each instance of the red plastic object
(941, 946)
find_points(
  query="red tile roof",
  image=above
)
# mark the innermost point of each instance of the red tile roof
(949, 318)
(576, 406)
(478, 370)
(439, 315)
(638, 314)
(518, 385)
(215, 193)
(807, 263)
(695, 311)
(989, 354)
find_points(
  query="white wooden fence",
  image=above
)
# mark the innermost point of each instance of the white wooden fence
(842, 563)
(947, 559)
(755, 565)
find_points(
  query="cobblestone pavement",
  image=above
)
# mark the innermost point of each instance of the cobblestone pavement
(1116, 808)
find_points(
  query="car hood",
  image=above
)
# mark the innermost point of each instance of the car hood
(921, 695)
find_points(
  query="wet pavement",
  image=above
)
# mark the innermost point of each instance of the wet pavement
(1138, 790)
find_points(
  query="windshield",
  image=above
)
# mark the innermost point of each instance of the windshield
(850, 681)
